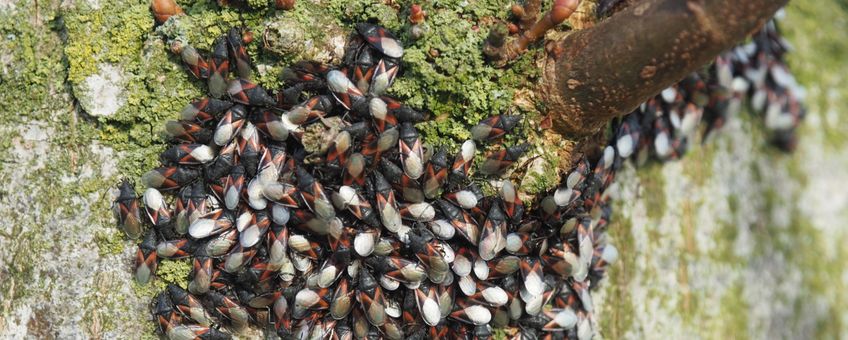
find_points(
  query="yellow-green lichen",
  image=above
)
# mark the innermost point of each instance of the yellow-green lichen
(109, 242)
(653, 189)
(618, 311)
(174, 271)
(546, 178)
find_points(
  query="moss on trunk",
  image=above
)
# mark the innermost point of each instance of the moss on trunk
(734, 239)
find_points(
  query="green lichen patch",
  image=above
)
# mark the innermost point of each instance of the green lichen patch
(817, 32)
(653, 189)
(174, 271)
(618, 312)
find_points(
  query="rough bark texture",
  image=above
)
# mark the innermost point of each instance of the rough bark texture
(735, 240)
(596, 74)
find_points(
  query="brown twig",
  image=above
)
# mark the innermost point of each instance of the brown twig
(500, 52)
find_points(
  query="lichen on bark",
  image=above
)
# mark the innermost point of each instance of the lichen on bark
(769, 266)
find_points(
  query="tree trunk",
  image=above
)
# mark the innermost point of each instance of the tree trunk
(606, 71)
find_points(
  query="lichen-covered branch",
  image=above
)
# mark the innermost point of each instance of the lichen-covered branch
(596, 74)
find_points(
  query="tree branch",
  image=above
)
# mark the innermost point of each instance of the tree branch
(596, 74)
(500, 52)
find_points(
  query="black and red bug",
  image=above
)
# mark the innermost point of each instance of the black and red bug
(174, 249)
(380, 116)
(398, 268)
(418, 212)
(156, 208)
(165, 313)
(333, 266)
(362, 71)
(230, 125)
(299, 116)
(277, 240)
(430, 257)
(237, 315)
(245, 92)
(310, 300)
(383, 76)
(146, 260)
(427, 303)
(126, 210)
(238, 258)
(194, 62)
(189, 305)
(463, 160)
(532, 276)
(188, 132)
(461, 220)
(238, 53)
(249, 149)
(560, 260)
(270, 124)
(494, 127)
(219, 67)
(313, 195)
(402, 112)
(371, 299)
(499, 267)
(305, 220)
(386, 203)
(339, 150)
(310, 73)
(465, 199)
(411, 151)
(344, 90)
(222, 243)
(282, 193)
(374, 146)
(487, 293)
(380, 39)
(435, 174)
(470, 313)
(188, 154)
(499, 160)
(366, 239)
(271, 163)
(169, 177)
(255, 230)
(282, 315)
(256, 300)
(493, 233)
(213, 223)
(204, 110)
(512, 204)
(305, 247)
(358, 205)
(342, 301)
(522, 243)
(354, 170)
(190, 204)
(221, 166)
(233, 187)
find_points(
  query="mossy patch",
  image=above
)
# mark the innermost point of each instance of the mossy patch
(817, 32)
(174, 271)
(619, 312)
(653, 189)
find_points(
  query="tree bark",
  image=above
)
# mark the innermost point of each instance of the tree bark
(597, 74)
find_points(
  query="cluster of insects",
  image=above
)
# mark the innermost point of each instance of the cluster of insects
(316, 212)
(753, 73)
